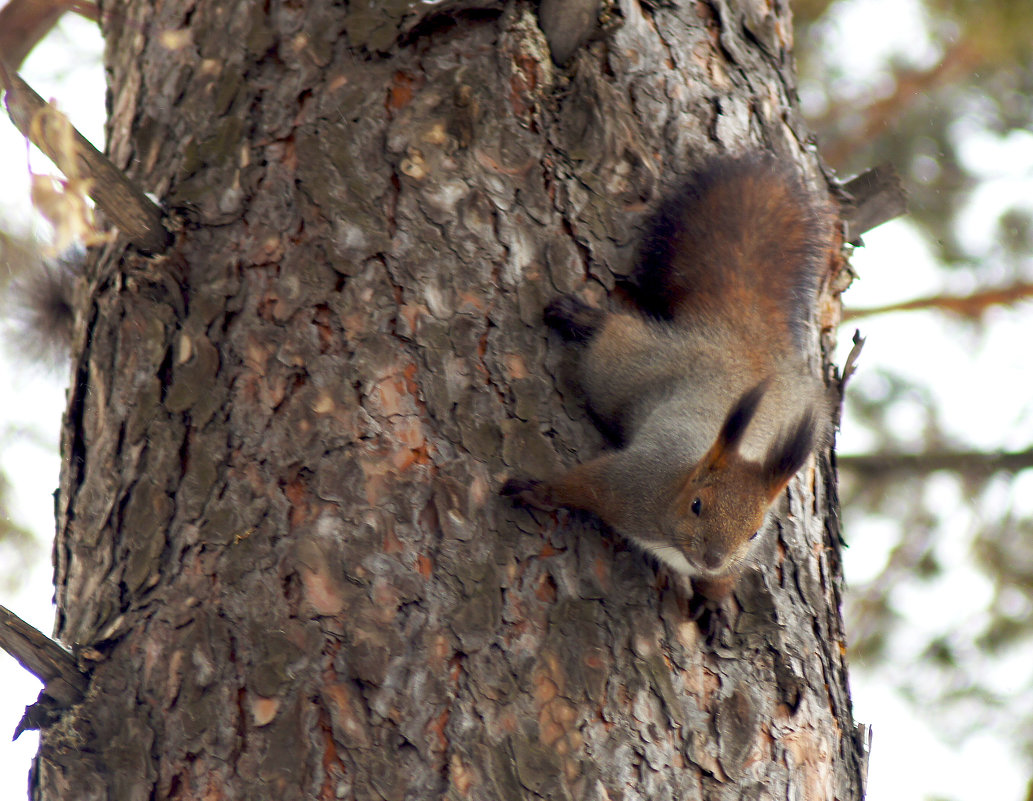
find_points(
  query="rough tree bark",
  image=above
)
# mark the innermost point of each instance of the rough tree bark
(280, 546)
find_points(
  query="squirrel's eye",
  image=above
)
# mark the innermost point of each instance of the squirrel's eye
(697, 505)
(755, 534)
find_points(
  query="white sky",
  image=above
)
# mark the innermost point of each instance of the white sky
(975, 382)
(975, 388)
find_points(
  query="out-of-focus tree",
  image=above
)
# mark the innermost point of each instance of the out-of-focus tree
(971, 75)
(936, 109)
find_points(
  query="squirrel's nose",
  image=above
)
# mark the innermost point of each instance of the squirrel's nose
(713, 558)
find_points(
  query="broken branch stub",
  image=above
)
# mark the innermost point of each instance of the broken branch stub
(125, 204)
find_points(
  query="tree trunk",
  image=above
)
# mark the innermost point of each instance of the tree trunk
(280, 545)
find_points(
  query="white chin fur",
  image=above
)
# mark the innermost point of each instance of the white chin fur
(671, 557)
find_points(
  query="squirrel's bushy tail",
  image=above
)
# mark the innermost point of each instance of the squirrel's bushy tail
(743, 242)
(42, 318)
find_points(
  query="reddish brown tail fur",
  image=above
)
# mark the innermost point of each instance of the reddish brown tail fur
(723, 247)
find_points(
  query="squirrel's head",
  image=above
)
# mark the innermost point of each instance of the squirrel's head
(720, 505)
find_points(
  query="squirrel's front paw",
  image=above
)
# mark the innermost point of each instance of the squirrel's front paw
(573, 318)
(528, 492)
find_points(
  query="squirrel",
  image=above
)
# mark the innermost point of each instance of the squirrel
(707, 382)
(42, 300)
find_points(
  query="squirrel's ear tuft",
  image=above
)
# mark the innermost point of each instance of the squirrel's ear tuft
(732, 430)
(738, 419)
(789, 453)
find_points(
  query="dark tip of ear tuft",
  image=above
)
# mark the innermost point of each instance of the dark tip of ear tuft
(741, 414)
(791, 451)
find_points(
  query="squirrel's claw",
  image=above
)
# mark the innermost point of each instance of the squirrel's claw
(528, 492)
